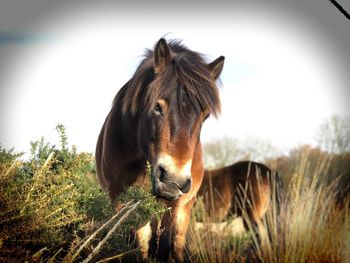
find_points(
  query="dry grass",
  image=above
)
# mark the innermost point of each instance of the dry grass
(311, 227)
(210, 241)
(307, 227)
(216, 245)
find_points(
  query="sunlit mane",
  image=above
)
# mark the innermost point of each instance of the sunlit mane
(188, 73)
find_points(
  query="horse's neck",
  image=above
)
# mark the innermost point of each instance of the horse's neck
(122, 136)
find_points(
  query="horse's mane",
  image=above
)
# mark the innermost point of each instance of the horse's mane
(188, 73)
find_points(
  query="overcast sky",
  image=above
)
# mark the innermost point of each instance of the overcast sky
(286, 69)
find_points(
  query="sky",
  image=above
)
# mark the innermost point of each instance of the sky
(286, 69)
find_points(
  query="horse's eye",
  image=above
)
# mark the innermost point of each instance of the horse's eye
(158, 109)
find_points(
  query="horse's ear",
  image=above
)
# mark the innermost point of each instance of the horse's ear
(162, 56)
(216, 67)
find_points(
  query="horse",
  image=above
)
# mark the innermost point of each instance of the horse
(245, 189)
(156, 117)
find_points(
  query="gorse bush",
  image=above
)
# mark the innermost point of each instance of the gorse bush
(150, 207)
(46, 198)
(52, 208)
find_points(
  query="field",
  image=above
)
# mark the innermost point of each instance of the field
(52, 210)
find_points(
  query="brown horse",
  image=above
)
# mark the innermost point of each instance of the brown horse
(244, 189)
(157, 117)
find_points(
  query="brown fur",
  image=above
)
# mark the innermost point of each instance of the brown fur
(243, 187)
(156, 117)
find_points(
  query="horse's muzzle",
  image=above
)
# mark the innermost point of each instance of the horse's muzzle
(169, 189)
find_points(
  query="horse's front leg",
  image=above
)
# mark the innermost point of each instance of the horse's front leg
(181, 220)
(143, 236)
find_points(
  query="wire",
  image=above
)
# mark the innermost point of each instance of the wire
(340, 8)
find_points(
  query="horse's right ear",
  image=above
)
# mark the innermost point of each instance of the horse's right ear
(216, 67)
(162, 56)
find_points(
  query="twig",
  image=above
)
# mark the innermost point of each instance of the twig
(104, 240)
(38, 176)
(119, 256)
(52, 259)
(13, 165)
(98, 230)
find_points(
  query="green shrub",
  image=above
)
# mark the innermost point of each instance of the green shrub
(46, 199)
(52, 208)
(149, 208)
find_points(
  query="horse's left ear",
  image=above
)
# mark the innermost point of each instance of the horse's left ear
(162, 56)
(216, 67)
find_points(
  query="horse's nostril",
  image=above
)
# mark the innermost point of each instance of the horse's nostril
(162, 173)
(187, 186)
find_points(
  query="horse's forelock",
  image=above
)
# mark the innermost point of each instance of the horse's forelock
(188, 71)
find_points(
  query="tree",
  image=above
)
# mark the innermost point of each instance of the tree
(334, 135)
(226, 150)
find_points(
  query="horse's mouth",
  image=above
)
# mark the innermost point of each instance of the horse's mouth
(169, 190)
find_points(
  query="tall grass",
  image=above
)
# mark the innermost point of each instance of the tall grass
(210, 241)
(307, 226)
(311, 226)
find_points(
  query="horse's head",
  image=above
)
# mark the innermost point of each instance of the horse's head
(179, 93)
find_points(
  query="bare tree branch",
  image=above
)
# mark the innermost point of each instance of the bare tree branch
(131, 208)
